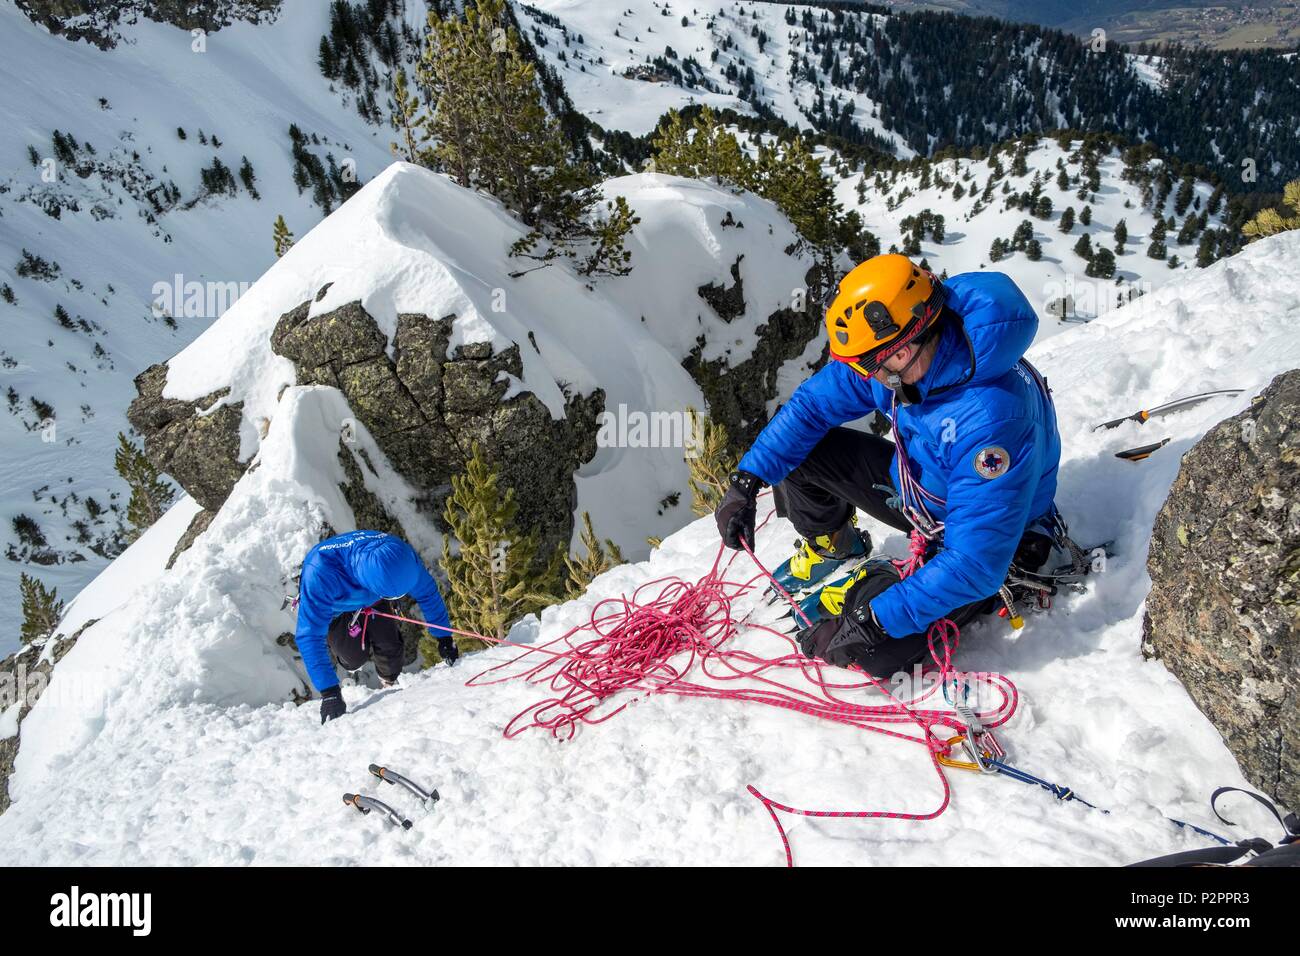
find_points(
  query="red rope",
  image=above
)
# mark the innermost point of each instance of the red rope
(652, 642)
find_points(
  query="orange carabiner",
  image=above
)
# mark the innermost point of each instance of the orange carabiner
(955, 764)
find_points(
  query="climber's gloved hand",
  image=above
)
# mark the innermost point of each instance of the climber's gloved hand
(854, 636)
(332, 703)
(448, 650)
(735, 513)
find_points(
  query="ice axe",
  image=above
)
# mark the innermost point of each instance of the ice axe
(1142, 451)
(365, 804)
(1168, 408)
(396, 779)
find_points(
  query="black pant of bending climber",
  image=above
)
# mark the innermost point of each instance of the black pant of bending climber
(851, 469)
(383, 641)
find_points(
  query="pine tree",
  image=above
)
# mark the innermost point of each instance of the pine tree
(1121, 236)
(598, 559)
(248, 177)
(411, 122)
(1206, 250)
(1034, 250)
(1085, 216)
(711, 465)
(1067, 219)
(793, 180)
(41, 609)
(150, 495)
(708, 150)
(1269, 222)
(1024, 232)
(1183, 198)
(493, 133)
(1102, 264)
(1083, 248)
(282, 236)
(493, 575)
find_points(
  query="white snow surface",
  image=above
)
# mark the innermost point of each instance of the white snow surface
(165, 736)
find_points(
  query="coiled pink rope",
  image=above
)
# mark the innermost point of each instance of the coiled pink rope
(657, 639)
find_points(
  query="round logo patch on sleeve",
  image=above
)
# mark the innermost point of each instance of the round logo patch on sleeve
(991, 462)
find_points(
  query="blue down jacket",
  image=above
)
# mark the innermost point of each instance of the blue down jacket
(1002, 411)
(352, 571)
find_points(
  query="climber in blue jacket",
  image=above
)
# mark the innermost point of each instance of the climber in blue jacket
(343, 577)
(974, 469)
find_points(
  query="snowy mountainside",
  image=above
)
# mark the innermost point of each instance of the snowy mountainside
(164, 735)
(605, 54)
(909, 83)
(123, 211)
(971, 225)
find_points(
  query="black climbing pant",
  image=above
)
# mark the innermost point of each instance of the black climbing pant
(851, 469)
(376, 638)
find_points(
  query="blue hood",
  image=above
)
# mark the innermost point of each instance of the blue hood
(999, 322)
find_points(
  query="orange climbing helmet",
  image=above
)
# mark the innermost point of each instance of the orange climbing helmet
(880, 306)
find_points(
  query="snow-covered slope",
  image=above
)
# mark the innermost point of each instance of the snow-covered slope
(121, 231)
(605, 55)
(971, 225)
(164, 736)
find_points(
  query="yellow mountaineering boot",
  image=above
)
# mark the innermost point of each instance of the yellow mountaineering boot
(818, 557)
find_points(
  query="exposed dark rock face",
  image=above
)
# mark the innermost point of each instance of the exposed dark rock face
(1224, 609)
(23, 678)
(201, 451)
(99, 21)
(198, 524)
(427, 408)
(738, 394)
(729, 303)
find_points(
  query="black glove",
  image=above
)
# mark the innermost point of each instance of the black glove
(332, 703)
(448, 650)
(735, 514)
(854, 636)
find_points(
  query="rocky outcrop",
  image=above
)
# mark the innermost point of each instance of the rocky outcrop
(198, 524)
(197, 443)
(727, 301)
(24, 675)
(1224, 609)
(738, 394)
(427, 405)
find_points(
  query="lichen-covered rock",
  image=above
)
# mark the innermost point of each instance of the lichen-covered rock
(1224, 609)
(195, 443)
(427, 408)
(198, 524)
